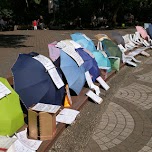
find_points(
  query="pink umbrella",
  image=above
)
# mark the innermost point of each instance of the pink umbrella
(142, 32)
(54, 52)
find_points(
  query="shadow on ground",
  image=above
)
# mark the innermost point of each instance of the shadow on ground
(7, 41)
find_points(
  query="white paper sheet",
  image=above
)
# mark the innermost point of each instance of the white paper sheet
(6, 142)
(137, 51)
(105, 68)
(75, 44)
(91, 84)
(94, 97)
(19, 147)
(103, 83)
(69, 112)
(4, 91)
(47, 63)
(67, 116)
(46, 107)
(29, 143)
(71, 52)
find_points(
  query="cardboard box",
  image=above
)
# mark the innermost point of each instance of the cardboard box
(41, 125)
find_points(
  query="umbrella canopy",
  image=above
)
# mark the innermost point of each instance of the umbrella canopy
(74, 74)
(117, 38)
(11, 114)
(89, 64)
(142, 32)
(54, 52)
(84, 41)
(111, 48)
(149, 30)
(102, 61)
(33, 83)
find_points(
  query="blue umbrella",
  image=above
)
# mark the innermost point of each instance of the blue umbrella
(84, 41)
(89, 64)
(74, 74)
(88, 44)
(33, 83)
(149, 30)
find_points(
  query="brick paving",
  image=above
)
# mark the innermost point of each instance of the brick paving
(130, 107)
(122, 123)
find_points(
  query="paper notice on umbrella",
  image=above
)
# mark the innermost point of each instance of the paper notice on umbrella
(71, 52)
(94, 97)
(4, 91)
(47, 63)
(46, 107)
(75, 44)
(6, 142)
(67, 116)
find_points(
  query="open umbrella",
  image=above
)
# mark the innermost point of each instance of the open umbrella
(117, 38)
(11, 114)
(149, 30)
(74, 74)
(102, 60)
(84, 41)
(111, 48)
(89, 62)
(54, 52)
(142, 32)
(33, 83)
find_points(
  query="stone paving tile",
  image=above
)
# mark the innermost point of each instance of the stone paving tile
(138, 69)
(140, 95)
(116, 132)
(148, 61)
(147, 77)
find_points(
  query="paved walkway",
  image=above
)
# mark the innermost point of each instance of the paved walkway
(122, 123)
(126, 126)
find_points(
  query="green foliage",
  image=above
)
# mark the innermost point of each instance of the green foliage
(6, 13)
(37, 1)
(68, 10)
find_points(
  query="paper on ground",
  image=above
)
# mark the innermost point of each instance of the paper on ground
(47, 63)
(103, 83)
(46, 107)
(94, 97)
(29, 143)
(6, 142)
(4, 91)
(19, 147)
(67, 116)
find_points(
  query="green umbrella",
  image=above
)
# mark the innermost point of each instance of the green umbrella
(11, 114)
(111, 48)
